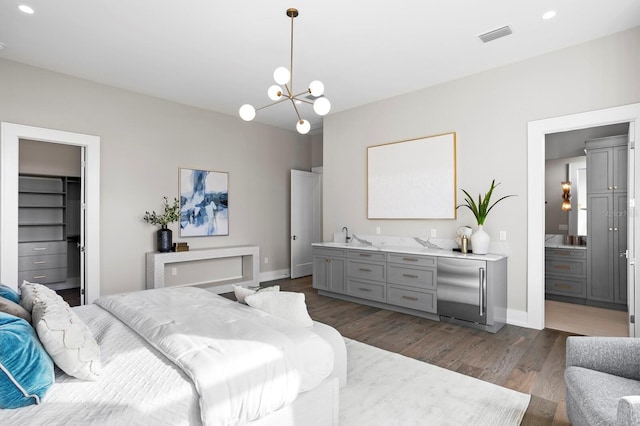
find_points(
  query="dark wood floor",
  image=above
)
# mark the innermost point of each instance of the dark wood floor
(522, 359)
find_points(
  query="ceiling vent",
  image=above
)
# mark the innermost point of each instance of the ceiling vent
(495, 34)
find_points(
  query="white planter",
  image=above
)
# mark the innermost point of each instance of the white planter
(480, 241)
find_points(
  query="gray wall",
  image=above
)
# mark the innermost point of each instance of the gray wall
(144, 141)
(489, 112)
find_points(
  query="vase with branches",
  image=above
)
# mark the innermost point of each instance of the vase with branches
(170, 213)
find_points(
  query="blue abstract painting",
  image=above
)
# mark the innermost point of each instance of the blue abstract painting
(204, 203)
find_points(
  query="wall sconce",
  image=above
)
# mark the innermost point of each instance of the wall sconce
(566, 196)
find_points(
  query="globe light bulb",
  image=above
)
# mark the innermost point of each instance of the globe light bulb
(247, 112)
(281, 75)
(274, 92)
(316, 88)
(322, 106)
(303, 127)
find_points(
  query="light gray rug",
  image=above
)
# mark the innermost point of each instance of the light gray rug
(385, 388)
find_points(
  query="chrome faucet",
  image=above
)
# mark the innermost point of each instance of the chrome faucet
(345, 229)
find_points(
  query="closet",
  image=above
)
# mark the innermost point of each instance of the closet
(607, 222)
(49, 189)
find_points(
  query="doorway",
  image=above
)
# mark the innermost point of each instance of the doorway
(569, 305)
(305, 220)
(10, 136)
(537, 130)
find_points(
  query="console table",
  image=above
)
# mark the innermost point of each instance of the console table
(250, 257)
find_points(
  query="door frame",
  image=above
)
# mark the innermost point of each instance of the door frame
(10, 135)
(537, 130)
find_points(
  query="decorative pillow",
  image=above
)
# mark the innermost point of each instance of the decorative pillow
(242, 292)
(283, 304)
(9, 293)
(26, 370)
(8, 307)
(33, 293)
(67, 339)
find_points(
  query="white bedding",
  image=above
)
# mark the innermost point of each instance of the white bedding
(245, 363)
(138, 385)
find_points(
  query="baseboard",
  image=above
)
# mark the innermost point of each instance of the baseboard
(274, 275)
(519, 318)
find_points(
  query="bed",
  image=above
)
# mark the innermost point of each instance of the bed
(163, 356)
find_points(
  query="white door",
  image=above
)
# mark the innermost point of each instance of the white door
(83, 205)
(632, 301)
(305, 220)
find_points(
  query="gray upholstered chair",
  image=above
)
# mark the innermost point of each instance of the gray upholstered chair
(603, 380)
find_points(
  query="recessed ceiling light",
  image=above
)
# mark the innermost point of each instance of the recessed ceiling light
(548, 15)
(25, 9)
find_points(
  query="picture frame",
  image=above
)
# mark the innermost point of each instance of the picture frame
(204, 203)
(412, 179)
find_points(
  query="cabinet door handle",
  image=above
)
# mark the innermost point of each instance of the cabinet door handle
(615, 187)
(409, 259)
(565, 267)
(610, 187)
(39, 248)
(563, 286)
(483, 289)
(365, 254)
(365, 270)
(410, 276)
(410, 298)
(37, 277)
(364, 289)
(40, 262)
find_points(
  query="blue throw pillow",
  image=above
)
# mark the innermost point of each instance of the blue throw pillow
(8, 293)
(26, 370)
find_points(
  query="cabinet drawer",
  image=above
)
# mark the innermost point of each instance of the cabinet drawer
(573, 268)
(367, 255)
(415, 277)
(366, 270)
(408, 259)
(412, 298)
(328, 251)
(565, 287)
(566, 253)
(46, 247)
(43, 276)
(29, 263)
(366, 290)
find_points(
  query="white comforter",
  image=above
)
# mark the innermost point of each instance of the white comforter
(244, 363)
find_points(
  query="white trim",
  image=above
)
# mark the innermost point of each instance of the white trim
(519, 318)
(10, 135)
(535, 190)
(274, 275)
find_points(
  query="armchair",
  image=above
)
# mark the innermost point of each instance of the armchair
(602, 379)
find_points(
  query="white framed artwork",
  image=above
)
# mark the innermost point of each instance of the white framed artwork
(412, 179)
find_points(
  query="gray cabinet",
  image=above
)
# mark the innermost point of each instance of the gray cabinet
(329, 266)
(607, 222)
(566, 274)
(412, 281)
(367, 275)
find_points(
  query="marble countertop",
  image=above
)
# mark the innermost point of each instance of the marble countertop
(411, 250)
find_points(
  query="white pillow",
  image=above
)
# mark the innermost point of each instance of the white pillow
(67, 339)
(32, 293)
(283, 304)
(242, 292)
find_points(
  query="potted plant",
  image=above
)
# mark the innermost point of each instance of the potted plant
(480, 239)
(170, 214)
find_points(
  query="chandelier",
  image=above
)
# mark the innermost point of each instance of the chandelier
(284, 76)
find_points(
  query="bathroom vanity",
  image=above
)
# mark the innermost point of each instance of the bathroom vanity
(437, 284)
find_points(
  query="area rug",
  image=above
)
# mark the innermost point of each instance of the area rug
(385, 388)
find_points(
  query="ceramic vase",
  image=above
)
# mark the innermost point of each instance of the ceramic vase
(164, 239)
(480, 241)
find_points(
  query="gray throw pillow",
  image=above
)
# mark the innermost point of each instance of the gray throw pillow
(11, 308)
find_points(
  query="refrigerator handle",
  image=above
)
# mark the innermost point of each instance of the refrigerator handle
(483, 289)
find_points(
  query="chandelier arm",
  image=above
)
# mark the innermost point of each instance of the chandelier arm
(272, 103)
(296, 108)
(303, 100)
(289, 96)
(301, 93)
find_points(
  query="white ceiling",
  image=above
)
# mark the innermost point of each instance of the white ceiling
(220, 54)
